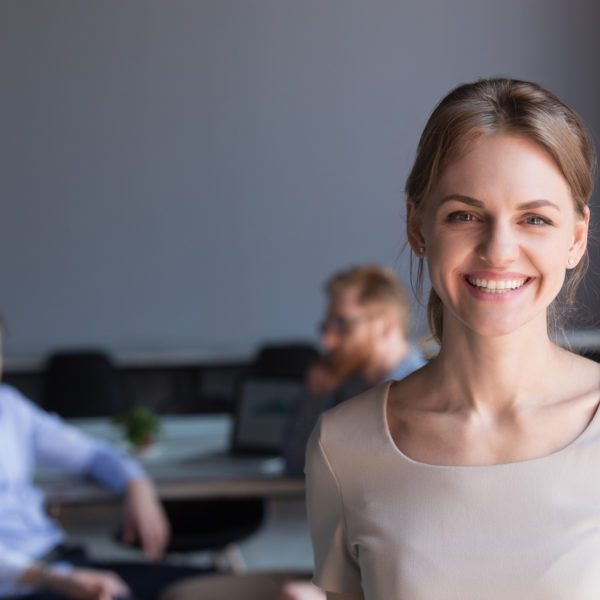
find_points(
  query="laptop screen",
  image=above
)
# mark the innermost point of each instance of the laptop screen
(262, 411)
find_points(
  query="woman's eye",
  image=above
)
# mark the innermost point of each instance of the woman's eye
(537, 220)
(460, 216)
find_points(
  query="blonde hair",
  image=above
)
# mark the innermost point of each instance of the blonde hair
(511, 106)
(375, 285)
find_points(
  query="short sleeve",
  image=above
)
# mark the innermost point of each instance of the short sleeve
(336, 568)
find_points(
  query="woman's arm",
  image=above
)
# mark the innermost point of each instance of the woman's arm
(336, 560)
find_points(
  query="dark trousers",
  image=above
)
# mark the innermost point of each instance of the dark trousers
(146, 580)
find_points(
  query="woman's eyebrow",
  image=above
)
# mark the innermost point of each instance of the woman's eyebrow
(463, 199)
(542, 202)
(538, 204)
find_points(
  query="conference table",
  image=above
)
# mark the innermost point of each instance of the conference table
(188, 460)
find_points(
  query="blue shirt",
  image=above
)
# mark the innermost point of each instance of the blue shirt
(29, 435)
(412, 361)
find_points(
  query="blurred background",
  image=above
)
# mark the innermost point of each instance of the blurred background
(179, 177)
(182, 176)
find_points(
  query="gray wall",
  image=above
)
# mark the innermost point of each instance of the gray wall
(183, 174)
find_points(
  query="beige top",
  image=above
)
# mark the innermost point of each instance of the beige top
(395, 528)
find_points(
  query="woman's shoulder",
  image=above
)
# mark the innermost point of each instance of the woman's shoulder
(414, 390)
(365, 402)
(586, 363)
(581, 372)
(356, 416)
(581, 377)
(351, 432)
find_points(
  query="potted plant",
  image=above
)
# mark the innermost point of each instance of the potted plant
(140, 426)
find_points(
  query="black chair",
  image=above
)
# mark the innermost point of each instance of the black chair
(240, 519)
(213, 526)
(83, 384)
(284, 360)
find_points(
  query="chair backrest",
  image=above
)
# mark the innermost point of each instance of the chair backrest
(83, 384)
(284, 361)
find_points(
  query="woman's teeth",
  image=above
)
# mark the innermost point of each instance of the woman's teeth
(496, 286)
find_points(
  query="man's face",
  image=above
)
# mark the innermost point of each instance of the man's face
(349, 331)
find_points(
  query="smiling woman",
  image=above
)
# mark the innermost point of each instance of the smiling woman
(501, 214)
(518, 108)
(476, 475)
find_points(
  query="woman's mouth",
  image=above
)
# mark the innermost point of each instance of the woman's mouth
(496, 286)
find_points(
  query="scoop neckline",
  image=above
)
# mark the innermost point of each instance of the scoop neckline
(515, 463)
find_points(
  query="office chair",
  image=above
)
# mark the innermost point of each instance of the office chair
(83, 384)
(284, 360)
(214, 526)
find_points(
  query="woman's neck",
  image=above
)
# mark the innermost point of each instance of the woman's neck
(495, 373)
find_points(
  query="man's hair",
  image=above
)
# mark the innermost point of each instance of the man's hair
(375, 285)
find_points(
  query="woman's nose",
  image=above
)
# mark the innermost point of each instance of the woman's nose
(500, 246)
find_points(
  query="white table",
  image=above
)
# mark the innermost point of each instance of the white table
(184, 463)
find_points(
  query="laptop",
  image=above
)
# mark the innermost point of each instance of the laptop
(262, 410)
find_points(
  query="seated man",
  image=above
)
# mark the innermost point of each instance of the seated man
(34, 563)
(365, 337)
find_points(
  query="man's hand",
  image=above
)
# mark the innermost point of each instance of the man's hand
(144, 517)
(321, 379)
(91, 584)
(81, 584)
(326, 375)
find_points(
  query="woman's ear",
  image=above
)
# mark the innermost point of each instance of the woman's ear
(580, 236)
(414, 228)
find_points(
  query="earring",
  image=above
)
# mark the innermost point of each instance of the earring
(571, 261)
(421, 251)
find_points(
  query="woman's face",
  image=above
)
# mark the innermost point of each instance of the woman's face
(499, 229)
